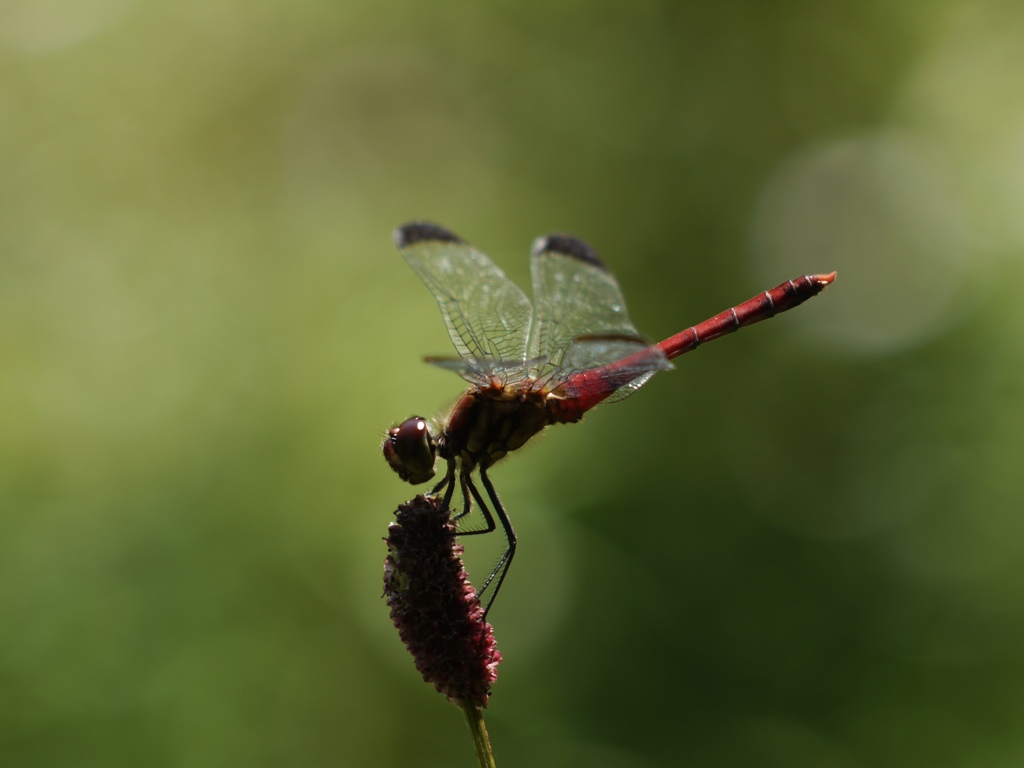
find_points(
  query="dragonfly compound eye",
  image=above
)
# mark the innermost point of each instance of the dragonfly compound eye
(410, 451)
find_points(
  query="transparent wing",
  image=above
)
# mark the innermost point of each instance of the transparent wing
(487, 315)
(482, 372)
(576, 296)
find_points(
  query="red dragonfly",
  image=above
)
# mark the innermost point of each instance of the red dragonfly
(532, 366)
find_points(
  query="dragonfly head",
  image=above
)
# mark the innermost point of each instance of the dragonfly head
(410, 450)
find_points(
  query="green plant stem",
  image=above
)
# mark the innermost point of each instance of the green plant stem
(482, 742)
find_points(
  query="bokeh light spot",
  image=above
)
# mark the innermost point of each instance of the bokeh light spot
(875, 208)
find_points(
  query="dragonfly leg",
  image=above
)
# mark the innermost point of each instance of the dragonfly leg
(498, 574)
(469, 493)
(449, 481)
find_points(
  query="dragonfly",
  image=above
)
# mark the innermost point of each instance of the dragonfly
(529, 366)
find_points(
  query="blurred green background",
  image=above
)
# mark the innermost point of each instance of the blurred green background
(805, 547)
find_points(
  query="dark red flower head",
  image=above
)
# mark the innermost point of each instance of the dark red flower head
(433, 605)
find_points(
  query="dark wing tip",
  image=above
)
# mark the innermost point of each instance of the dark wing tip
(423, 231)
(567, 245)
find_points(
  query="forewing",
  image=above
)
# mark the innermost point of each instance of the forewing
(487, 315)
(575, 296)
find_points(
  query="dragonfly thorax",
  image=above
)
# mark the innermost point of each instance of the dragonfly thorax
(489, 422)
